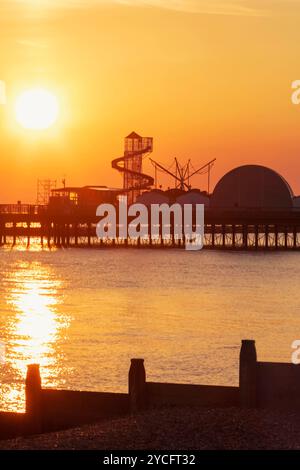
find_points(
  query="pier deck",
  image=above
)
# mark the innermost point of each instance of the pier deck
(224, 229)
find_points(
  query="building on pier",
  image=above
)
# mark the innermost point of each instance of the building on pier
(252, 187)
(84, 198)
(156, 196)
(172, 196)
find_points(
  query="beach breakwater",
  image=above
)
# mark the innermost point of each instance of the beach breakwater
(261, 385)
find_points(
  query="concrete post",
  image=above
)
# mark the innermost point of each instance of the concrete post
(137, 385)
(33, 392)
(248, 366)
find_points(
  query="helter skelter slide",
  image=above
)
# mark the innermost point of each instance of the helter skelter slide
(130, 164)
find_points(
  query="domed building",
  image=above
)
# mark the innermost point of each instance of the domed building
(252, 187)
(155, 196)
(194, 196)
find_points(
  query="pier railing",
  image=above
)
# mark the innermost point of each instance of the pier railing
(74, 226)
(22, 209)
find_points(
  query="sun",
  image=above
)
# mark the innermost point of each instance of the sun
(36, 109)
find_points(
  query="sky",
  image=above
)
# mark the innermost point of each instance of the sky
(206, 78)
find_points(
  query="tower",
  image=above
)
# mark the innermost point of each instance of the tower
(44, 188)
(134, 150)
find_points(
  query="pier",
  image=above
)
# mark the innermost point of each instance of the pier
(224, 229)
(251, 208)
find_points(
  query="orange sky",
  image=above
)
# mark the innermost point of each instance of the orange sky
(205, 78)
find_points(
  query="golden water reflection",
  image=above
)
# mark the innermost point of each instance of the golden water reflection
(34, 328)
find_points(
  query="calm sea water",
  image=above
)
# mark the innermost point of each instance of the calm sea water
(82, 314)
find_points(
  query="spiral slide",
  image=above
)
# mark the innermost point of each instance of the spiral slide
(143, 181)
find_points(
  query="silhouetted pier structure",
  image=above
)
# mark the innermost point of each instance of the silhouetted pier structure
(224, 229)
(251, 207)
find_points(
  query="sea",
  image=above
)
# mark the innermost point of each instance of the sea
(82, 314)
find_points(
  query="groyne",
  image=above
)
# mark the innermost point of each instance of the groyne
(262, 385)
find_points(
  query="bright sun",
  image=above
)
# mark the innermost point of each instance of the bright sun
(36, 109)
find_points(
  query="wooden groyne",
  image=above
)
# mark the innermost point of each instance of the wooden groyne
(232, 229)
(261, 385)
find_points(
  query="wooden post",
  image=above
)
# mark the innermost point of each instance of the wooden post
(172, 230)
(233, 236)
(33, 392)
(256, 236)
(42, 234)
(49, 227)
(137, 385)
(14, 233)
(245, 236)
(267, 236)
(223, 236)
(75, 226)
(56, 234)
(161, 241)
(248, 364)
(213, 228)
(276, 236)
(295, 237)
(63, 234)
(286, 237)
(89, 233)
(28, 233)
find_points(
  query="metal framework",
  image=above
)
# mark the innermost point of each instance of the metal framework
(183, 173)
(131, 165)
(44, 188)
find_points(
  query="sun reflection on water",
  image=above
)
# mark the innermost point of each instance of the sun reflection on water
(34, 329)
